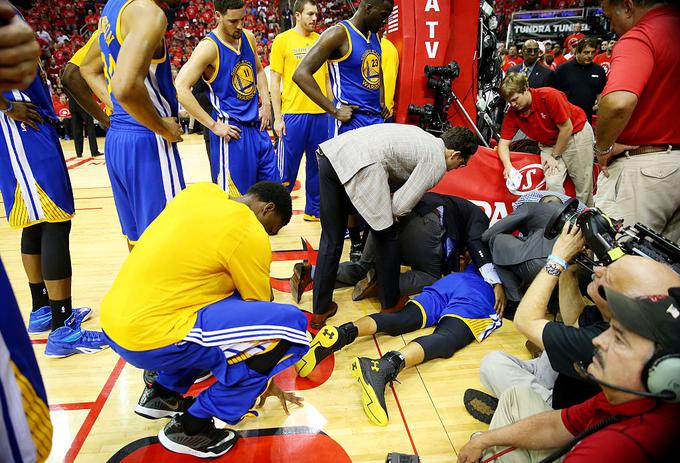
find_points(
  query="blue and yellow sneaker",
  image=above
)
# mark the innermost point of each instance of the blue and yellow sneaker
(310, 218)
(72, 339)
(41, 320)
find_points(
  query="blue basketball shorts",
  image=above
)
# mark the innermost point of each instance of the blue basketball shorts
(238, 164)
(34, 181)
(145, 172)
(474, 308)
(224, 336)
(304, 133)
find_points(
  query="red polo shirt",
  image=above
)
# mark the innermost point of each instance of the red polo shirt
(647, 432)
(549, 107)
(645, 62)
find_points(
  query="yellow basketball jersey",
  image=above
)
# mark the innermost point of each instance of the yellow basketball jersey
(287, 51)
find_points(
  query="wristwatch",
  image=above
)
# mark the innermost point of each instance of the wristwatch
(553, 269)
(604, 152)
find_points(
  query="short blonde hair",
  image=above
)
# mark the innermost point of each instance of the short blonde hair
(515, 82)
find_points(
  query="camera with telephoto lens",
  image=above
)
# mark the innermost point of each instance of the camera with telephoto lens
(450, 71)
(401, 458)
(609, 240)
(425, 111)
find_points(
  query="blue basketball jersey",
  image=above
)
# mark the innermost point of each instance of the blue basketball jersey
(233, 87)
(158, 81)
(355, 78)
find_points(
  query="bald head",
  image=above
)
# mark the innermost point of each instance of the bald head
(530, 51)
(633, 276)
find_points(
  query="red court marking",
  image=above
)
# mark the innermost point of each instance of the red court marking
(96, 409)
(89, 208)
(71, 406)
(79, 163)
(297, 185)
(396, 398)
(300, 448)
(39, 341)
(298, 212)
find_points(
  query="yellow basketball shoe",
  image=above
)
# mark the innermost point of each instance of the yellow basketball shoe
(328, 340)
(373, 376)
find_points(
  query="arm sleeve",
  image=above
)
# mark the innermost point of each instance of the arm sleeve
(631, 66)
(510, 126)
(421, 179)
(249, 266)
(276, 55)
(577, 418)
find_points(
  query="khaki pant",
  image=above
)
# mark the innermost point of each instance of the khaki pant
(516, 404)
(577, 161)
(644, 188)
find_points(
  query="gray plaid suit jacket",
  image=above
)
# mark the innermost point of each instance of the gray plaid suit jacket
(386, 168)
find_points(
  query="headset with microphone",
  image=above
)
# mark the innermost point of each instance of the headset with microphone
(660, 376)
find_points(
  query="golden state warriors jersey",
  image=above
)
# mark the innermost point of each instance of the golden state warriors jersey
(355, 78)
(158, 80)
(233, 87)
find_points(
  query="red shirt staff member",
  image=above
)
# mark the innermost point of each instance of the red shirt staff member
(638, 130)
(561, 129)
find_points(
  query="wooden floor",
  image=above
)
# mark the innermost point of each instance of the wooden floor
(92, 396)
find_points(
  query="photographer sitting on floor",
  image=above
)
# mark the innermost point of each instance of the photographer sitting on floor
(638, 355)
(570, 341)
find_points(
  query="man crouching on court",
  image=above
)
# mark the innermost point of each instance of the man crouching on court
(194, 295)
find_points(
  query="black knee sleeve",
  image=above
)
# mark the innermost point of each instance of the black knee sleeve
(410, 318)
(56, 255)
(31, 239)
(451, 335)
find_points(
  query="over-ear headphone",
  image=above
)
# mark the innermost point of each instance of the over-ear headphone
(661, 374)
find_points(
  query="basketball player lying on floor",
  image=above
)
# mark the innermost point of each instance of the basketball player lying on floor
(196, 296)
(461, 305)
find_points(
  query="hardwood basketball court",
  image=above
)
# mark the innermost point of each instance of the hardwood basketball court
(92, 396)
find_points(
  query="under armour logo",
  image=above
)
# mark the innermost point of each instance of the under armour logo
(328, 334)
(374, 365)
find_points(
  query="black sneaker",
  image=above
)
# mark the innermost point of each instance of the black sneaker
(209, 443)
(373, 375)
(151, 375)
(326, 341)
(480, 405)
(152, 406)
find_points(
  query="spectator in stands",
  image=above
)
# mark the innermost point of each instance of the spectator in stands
(581, 79)
(562, 130)
(604, 46)
(512, 59)
(621, 425)
(572, 39)
(558, 54)
(605, 59)
(638, 130)
(538, 75)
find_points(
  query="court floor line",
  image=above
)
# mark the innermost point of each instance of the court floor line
(71, 406)
(96, 409)
(396, 398)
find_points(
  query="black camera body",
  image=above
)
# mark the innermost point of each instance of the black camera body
(434, 116)
(609, 240)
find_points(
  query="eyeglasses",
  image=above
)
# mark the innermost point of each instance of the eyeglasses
(531, 50)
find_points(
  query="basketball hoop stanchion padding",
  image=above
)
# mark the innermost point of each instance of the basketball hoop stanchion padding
(435, 32)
